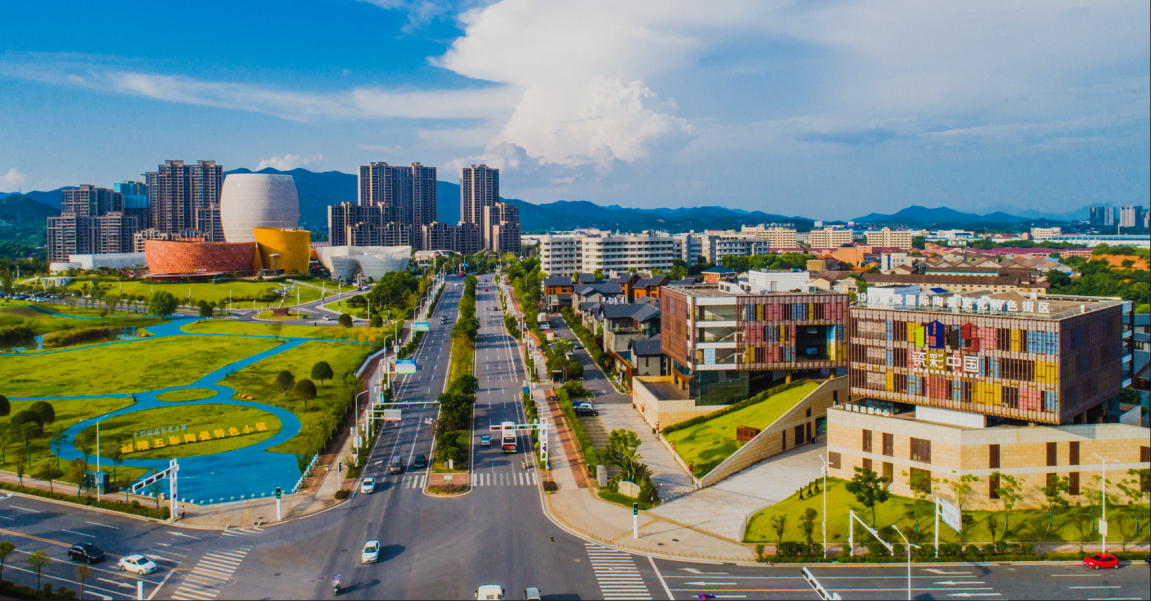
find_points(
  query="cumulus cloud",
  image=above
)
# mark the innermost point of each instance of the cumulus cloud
(289, 162)
(13, 179)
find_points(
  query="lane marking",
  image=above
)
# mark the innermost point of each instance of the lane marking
(174, 533)
(103, 525)
(77, 533)
(23, 509)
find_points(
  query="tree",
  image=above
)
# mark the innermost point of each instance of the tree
(623, 450)
(961, 488)
(117, 456)
(205, 309)
(21, 464)
(162, 303)
(57, 444)
(1009, 495)
(45, 410)
(921, 484)
(779, 525)
(322, 371)
(285, 381)
(86, 443)
(1053, 495)
(36, 562)
(304, 390)
(6, 549)
(1134, 489)
(870, 489)
(50, 473)
(76, 470)
(82, 572)
(344, 320)
(276, 327)
(6, 435)
(5, 406)
(111, 301)
(807, 524)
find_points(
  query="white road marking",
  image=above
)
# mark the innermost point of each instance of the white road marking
(78, 533)
(174, 533)
(104, 525)
(23, 509)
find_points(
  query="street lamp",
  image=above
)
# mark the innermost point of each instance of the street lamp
(909, 546)
(358, 414)
(1103, 501)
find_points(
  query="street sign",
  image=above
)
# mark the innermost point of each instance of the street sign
(406, 366)
(1102, 527)
(392, 415)
(950, 515)
(421, 326)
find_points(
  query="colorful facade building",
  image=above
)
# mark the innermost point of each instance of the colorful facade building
(292, 248)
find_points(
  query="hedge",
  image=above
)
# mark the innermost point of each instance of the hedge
(759, 398)
(65, 337)
(598, 355)
(591, 456)
(12, 590)
(411, 346)
(134, 508)
(622, 499)
(793, 552)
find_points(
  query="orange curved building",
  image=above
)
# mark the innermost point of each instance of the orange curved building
(293, 246)
(169, 256)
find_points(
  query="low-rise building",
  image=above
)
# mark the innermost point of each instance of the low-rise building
(557, 292)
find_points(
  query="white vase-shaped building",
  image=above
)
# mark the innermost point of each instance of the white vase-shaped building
(252, 200)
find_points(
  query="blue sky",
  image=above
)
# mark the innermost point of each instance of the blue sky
(827, 109)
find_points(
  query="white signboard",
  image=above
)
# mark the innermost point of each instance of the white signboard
(391, 415)
(950, 515)
(1102, 527)
(965, 304)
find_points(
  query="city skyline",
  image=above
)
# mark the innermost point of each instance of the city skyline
(787, 106)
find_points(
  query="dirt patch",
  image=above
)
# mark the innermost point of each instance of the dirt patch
(1116, 261)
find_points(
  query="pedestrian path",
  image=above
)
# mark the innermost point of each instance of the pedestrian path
(242, 531)
(214, 570)
(520, 478)
(616, 573)
(414, 481)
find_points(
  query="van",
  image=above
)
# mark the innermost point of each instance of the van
(396, 466)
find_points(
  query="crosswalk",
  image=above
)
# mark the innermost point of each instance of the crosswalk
(520, 478)
(414, 481)
(616, 573)
(213, 571)
(242, 531)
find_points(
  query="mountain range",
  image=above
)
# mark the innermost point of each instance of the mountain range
(317, 190)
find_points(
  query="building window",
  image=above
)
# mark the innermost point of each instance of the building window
(867, 464)
(809, 412)
(1052, 454)
(1074, 483)
(833, 460)
(993, 457)
(888, 471)
(835, 397)
(922, 478)
(867, 441)
(993, 487)
(1074, 454)
(921, 450)
(889, 444)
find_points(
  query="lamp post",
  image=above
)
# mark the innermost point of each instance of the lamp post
(1103, 501)
(100, 481)
(908, 544)
(358, 414)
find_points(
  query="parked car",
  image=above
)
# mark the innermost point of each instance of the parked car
(368, 486)
(138, 564)
(1101, 560)
(86, 552)
(585, 409)
(371, 552)
(485, 440)
(421, 462)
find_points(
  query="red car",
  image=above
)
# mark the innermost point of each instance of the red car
(1105, 560)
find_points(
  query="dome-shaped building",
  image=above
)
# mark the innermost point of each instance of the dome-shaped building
(252, 200)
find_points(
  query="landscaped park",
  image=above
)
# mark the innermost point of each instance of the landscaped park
(243, 406)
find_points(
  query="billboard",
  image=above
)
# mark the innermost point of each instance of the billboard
(406, 366)
(421, 326)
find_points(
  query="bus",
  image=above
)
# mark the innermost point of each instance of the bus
(508, 434)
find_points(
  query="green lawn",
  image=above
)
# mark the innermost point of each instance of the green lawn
(116, 431)
(709, 443)
(241, 328)
(258, 380)
(68, 413)
(1026, 526)
(42, 323)
(186, 394)
(237, 289)
(123, 368)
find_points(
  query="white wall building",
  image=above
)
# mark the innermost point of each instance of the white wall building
(587, 251)
(889, 238)
(830, 237)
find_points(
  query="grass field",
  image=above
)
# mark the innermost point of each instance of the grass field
(258, 380)
(123, 368)
(41, 323)
(709, 443)
(242, 328)
(1026, 526)
(116, 431)
(240, 290)
(186, 394)
(68, 413)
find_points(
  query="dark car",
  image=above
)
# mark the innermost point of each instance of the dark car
(586, 409)
(420, 463)
(86, 552)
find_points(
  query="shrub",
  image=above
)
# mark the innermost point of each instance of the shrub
(345, 320)
(342, 494)
(876, 549)
(924, 553)
(134, 507)
(987, 549)
(971, 551)
(66, 337)
(951, 550)
(550, 486)
(898, 550)
(792, 548)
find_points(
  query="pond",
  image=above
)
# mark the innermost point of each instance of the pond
(36, 343)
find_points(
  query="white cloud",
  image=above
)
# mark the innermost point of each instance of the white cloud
(12, 180)
(289, 162)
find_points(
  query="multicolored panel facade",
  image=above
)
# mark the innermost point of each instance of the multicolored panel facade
(1040, 369)
(784, 331)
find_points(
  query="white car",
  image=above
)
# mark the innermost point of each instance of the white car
(371, 552)
(368, 486)
(138, 564)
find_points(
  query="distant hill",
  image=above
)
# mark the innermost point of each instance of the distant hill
(24, 220)
(944, 217)
(52, 198)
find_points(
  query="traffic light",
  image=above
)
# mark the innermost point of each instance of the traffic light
(278, 492)
(635, 508)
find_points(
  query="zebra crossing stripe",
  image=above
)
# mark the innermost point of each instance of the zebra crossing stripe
(212, 572)
(616, 573)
